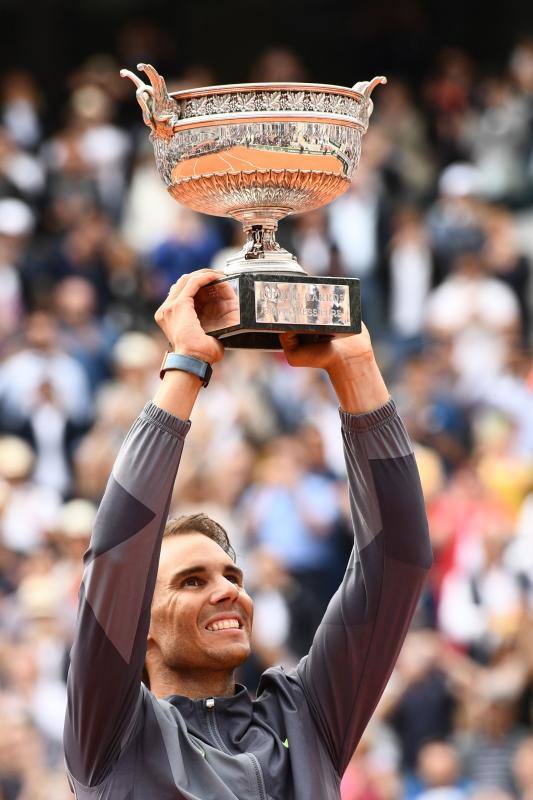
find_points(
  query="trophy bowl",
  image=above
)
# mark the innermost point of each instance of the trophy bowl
(257, 153)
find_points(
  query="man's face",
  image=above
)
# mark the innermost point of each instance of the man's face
(201, 615)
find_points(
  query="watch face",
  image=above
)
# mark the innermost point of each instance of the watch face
(208, 373)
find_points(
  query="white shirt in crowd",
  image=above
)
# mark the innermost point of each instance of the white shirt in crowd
(475, 313)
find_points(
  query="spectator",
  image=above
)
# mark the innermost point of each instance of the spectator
(434, 417)
(505, 260)
(83, 335)
(192, 243)
(286, 615)
(149, 214)
(42, 361)
(495, 138)
(477, 316)
(92, 146)
(419, 703)
(79, 252)
(29, 511)
(372, 773)
(292, 512)
(311, 242)
(411, 275)
(448, 95)
(16, 225)
(483, 608)
(523, 769)
(20, 173)
(21, 107)
(489, 750)
(455, 220)
(412, 158)
(439, 772)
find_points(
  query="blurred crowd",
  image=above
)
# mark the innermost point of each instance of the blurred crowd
(438, 225)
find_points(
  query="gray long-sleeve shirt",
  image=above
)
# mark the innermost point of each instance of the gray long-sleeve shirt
(294, 741)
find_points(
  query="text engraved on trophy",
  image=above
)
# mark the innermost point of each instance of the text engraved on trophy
(302, 303)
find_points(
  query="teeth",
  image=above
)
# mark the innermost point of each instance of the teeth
(223, 624)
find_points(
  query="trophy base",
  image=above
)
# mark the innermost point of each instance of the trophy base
(248, 310)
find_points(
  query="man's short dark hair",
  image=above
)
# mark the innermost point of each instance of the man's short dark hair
(195, 523)
(200, 523)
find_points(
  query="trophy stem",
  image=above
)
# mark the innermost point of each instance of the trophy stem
(261, 251)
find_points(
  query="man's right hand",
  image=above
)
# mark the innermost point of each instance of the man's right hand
(178, 319)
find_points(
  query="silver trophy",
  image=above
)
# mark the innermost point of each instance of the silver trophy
(258, 152)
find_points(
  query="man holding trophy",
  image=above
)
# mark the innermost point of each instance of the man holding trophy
(167, 600)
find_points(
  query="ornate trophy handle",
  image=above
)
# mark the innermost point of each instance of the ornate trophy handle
(160, 112)
(366, 88)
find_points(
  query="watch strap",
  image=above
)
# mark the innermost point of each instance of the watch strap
(202, 369)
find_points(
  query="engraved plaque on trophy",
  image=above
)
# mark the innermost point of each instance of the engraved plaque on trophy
(258, 152)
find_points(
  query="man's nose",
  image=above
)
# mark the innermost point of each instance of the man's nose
(224, 590)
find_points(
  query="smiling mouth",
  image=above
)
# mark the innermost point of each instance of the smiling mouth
(224, 625)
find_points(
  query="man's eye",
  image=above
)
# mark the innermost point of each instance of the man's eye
(191, 581)
(233, 579)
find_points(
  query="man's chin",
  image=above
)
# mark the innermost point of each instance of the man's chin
(230, 656)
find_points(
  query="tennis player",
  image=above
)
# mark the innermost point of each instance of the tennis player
(169, 599)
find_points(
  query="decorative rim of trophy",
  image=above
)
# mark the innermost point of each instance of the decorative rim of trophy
(258, 152)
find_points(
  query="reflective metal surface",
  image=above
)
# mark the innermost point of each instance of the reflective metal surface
(229, 169)
(256, 152)
(302, 303)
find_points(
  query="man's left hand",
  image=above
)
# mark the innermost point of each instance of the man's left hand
(339, 354)
(350, 364)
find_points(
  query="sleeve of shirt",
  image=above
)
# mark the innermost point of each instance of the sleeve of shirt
(121, 563)
(358, 641)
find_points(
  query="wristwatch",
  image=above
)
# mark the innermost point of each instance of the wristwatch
(202, 369)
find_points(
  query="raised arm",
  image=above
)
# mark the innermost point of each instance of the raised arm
(121, 564)
(358, 641)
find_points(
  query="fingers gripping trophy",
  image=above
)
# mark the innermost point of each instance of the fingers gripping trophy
(257, 153)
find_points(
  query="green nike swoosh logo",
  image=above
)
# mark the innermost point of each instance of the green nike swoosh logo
(286, 743)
